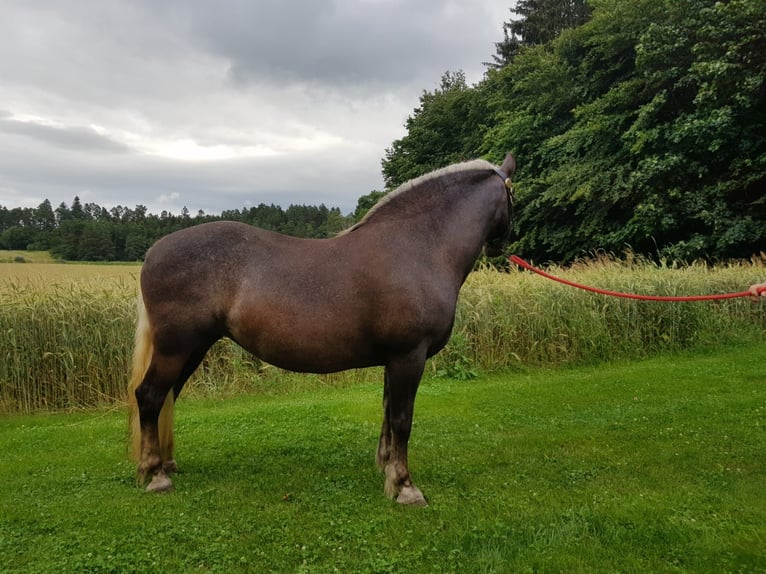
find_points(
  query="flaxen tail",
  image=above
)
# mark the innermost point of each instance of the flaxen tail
(142, 356)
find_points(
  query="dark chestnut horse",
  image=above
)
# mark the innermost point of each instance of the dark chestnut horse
(381, 293)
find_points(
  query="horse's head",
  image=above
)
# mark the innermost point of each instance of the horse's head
(501, 232)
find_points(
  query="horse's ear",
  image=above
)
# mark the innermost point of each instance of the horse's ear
(509, 165)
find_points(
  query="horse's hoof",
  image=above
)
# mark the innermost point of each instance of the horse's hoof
(160, 483)
(411, 496)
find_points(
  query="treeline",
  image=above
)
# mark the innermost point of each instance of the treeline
(92, 233)
(636, 125)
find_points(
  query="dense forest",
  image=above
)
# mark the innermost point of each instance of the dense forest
(636, 125)
(93, 233)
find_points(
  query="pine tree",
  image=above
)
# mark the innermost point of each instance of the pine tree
(540, 22)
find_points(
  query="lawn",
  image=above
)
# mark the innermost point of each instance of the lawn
(10, 256)
(650, 466)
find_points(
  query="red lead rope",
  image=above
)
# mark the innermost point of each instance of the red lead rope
(519, 261)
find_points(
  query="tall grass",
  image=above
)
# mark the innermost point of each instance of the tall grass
(64, 345)
(505, 320)
(66, 330)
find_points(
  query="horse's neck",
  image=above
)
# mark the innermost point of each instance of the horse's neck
(453, 233)
(465, 230)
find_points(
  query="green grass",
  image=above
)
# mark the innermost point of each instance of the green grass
(10, 256)
(650, 466)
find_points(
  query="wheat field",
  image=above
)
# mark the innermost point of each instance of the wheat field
(66, 330)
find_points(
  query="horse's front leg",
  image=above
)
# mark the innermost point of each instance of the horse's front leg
(384, 444)
(402, 380)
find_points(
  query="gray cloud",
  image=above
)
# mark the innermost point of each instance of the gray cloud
(68, 137)
(214, 105)
(337, 43)
(165, 183)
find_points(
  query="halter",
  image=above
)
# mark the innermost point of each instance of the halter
(508, 183)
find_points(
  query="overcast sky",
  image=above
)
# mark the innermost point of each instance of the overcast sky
(220, 104)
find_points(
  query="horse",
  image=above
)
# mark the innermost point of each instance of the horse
(381, 293)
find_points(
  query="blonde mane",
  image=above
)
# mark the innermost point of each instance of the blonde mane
(473, 165)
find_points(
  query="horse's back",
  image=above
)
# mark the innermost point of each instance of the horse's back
(208, 243)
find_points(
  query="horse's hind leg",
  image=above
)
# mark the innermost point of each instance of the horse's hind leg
(154, 397)
(169, 464)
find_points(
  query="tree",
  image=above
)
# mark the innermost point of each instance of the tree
(335, 223)
(136, 245)
(541, 22)
(45, 219)
(66, 241)
(506, 49)
(17, 237)
(451, 123)
(63, 213)
(97, 234)
(96, 243)
(366, 202)
(76, 211)
(657, 146)
(637, 125)
(139, 213)
(444, 129)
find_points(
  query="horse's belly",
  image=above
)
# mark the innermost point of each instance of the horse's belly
(309, 350)
(329, 359)
(336, 332)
